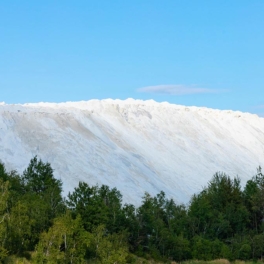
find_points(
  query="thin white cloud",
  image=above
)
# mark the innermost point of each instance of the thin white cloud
(177, 90)
(260, 106)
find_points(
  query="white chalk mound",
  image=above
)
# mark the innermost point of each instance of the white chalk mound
(136, 146)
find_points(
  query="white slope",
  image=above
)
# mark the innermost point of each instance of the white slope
(136, 146)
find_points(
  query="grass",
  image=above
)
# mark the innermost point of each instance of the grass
(221, 261)
(138, 260)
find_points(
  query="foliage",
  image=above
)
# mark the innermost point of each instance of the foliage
(97, 206)
(65, 242)
(219, 210)
(109, 248)
(33, 200)
(4, 215)
(92, 225)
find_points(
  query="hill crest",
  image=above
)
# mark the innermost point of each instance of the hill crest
(133, 145)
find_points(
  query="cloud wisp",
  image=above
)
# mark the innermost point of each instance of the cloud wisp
(260, 106)
(177, 90)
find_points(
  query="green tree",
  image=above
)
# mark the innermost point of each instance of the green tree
(65, 242)
(4, 218)
(219, 210)
(86, 202)
(20, 228)
(38, 201)
(109, 248)
(258, 246)
(254, 197)
(38, 179)
(96, 206)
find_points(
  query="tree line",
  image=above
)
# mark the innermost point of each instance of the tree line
(92, 225)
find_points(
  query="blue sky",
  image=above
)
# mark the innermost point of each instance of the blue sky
(204, 53)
